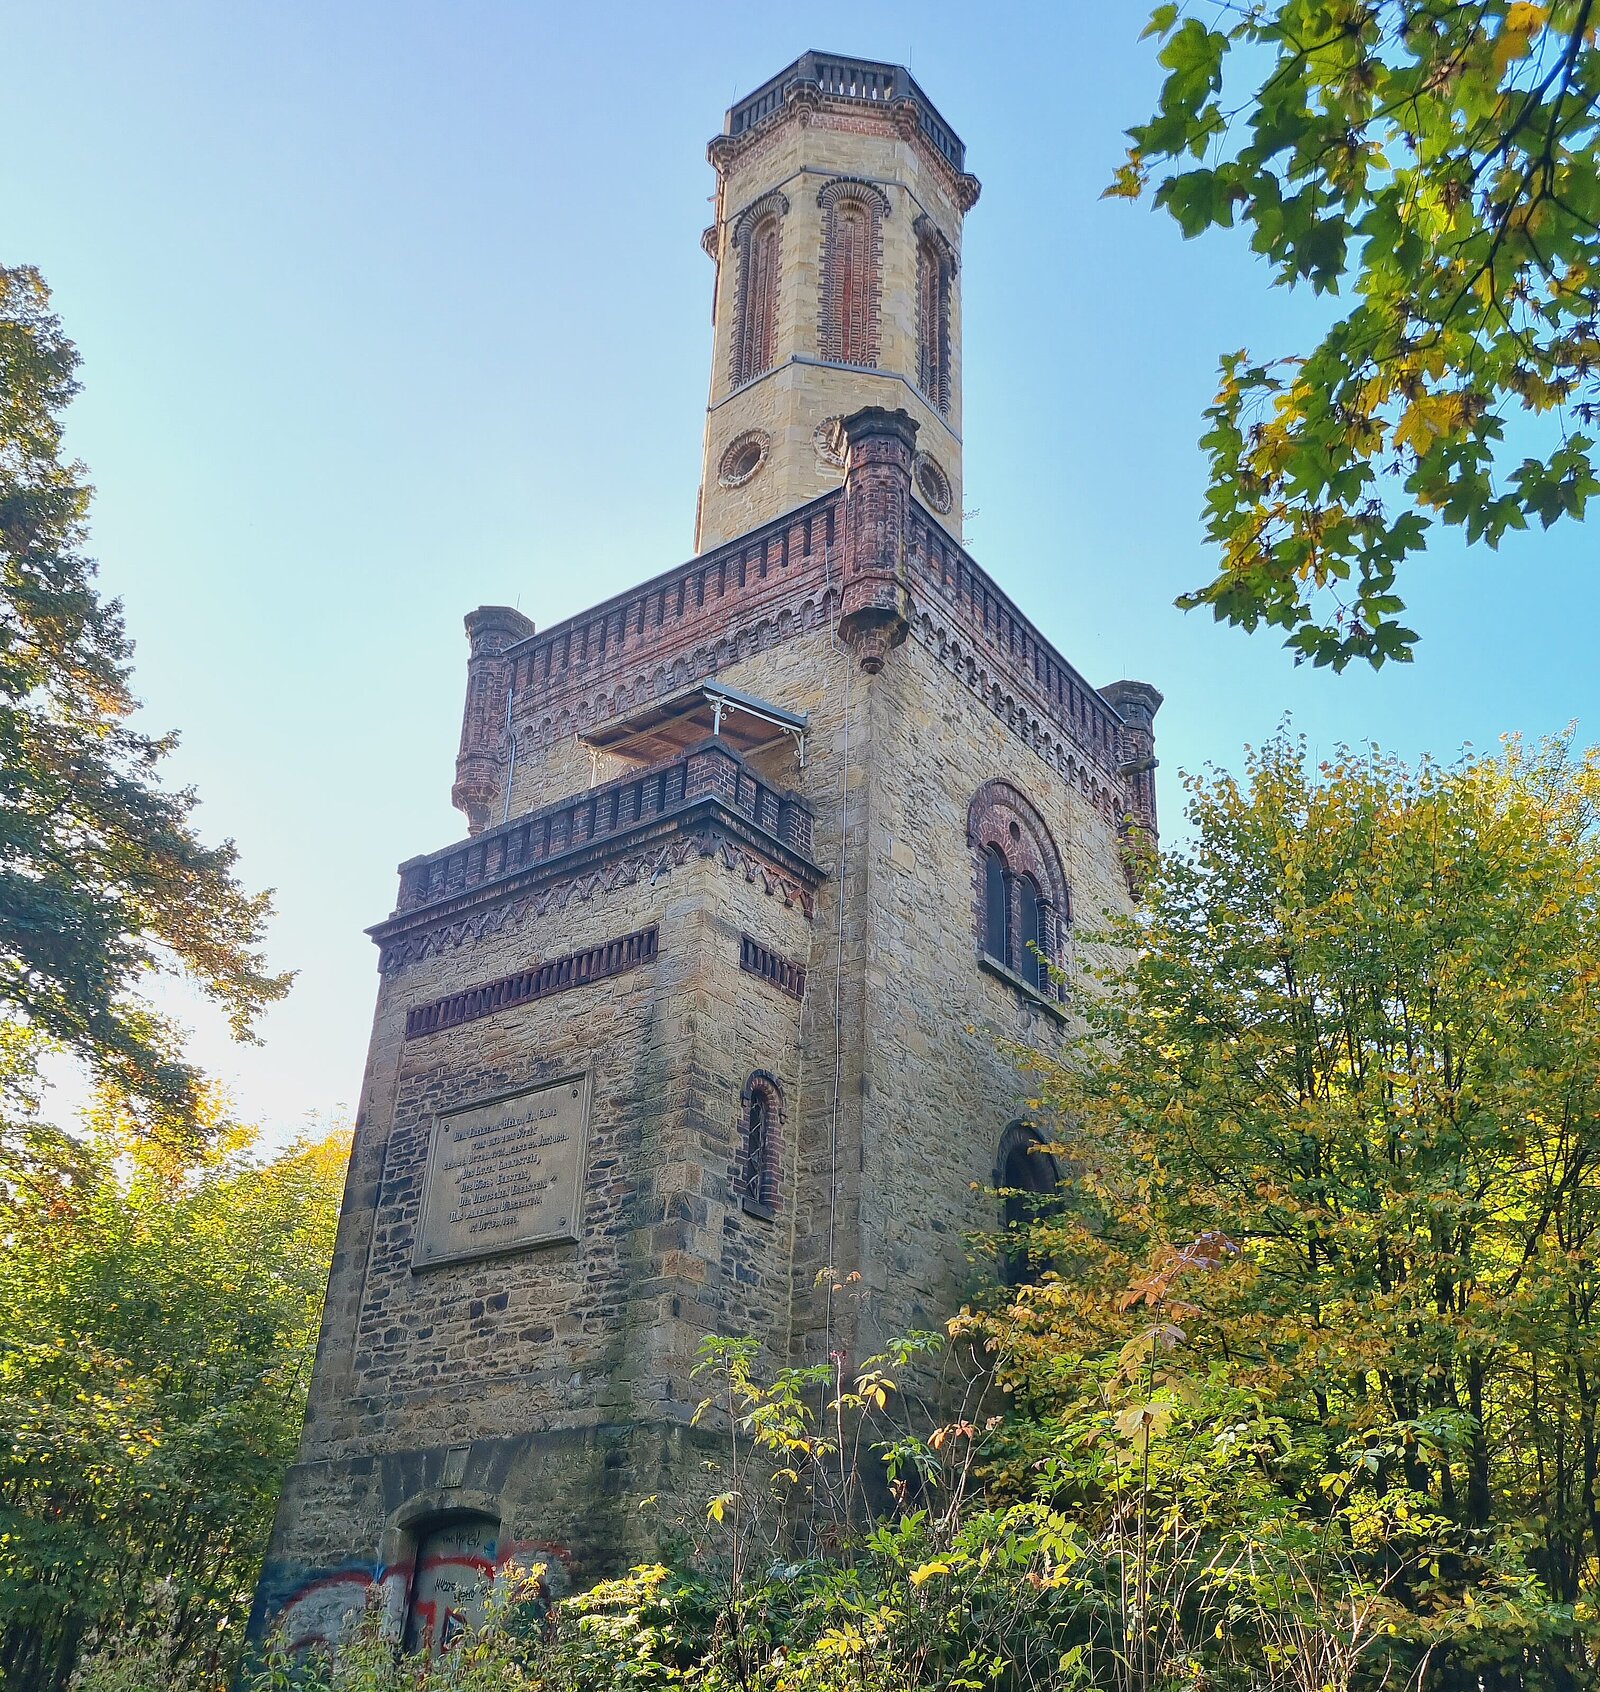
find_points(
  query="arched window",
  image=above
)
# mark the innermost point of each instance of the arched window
(996, 905)
(936, 269)
(1025, 1177)
(1032, 942)
(760, 1144)
(756, 242)
(1023, 904)
(852, 259)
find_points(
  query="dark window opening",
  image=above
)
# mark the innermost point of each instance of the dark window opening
(760, 1148)
(1031, 935)
(1027, 1180)
(996, 906)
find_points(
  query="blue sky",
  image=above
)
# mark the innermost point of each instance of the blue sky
(391, 309)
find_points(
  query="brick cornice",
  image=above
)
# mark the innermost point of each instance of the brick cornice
(704, 827)
(779, 582)
(509, 908)
(726, 152)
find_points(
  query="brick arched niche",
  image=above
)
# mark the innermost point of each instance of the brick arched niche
(852, 270)
(1020, 892)
(760, 1151)
(757, 246)
(936, 274)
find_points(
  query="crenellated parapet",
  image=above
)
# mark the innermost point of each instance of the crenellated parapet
(788, 578)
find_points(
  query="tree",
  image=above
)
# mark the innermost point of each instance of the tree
(104, 880)
(1334, 1130)
(158, 1318)
(1440, 163)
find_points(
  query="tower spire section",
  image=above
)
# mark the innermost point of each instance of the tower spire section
(841, 193)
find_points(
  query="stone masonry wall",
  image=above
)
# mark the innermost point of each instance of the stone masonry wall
(563, 1371)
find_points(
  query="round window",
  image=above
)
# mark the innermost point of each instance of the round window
(933, 484)
(828, 438)
(742, 457)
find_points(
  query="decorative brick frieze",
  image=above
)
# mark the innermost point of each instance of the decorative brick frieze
(772, 586)
(712, 768)
(558, 975)
(1003, 652)
(837, 91)
(780, 567)
(1033, 726)
(784, 973)
(708, 801)
(402, 945)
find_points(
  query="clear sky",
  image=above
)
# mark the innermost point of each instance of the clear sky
(389, 309)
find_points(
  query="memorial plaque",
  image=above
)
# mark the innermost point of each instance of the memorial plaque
(506, 1174)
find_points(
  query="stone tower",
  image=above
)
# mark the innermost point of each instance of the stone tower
(840, 198)
(762, 857)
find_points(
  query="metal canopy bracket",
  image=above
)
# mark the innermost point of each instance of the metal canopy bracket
(669, 726)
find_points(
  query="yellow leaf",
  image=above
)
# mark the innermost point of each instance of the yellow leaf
(1515, 40)
(927, 1572)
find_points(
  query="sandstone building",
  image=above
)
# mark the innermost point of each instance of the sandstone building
(761, 856)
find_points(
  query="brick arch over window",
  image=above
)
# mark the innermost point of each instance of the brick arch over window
(936, 272)
(757, 245)
(760, 1143)
(852, 270)
(1020, 891)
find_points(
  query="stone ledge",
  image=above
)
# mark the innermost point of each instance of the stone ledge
(1026, 988)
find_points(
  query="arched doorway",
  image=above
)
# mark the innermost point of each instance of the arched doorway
(451, 1576)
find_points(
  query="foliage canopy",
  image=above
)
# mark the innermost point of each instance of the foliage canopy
(1335, 1141)
(104, 880)
(157, 1324)
(1440, 163)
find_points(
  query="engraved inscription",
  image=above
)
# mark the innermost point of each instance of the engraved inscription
(505, 1175)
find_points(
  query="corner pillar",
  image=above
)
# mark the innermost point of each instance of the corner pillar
(1136, 703)
(492, 631)
(875, 610)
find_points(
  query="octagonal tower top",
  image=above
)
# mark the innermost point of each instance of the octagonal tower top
(841, 193)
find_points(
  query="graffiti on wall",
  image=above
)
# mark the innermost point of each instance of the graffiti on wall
(426, 1601)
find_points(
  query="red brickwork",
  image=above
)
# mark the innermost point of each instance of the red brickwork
(757, 240)
(1003, 817)
(852, 271)
(784, 973)
(936, 269)
(576, 969)
(778, 582)
(877, 492)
